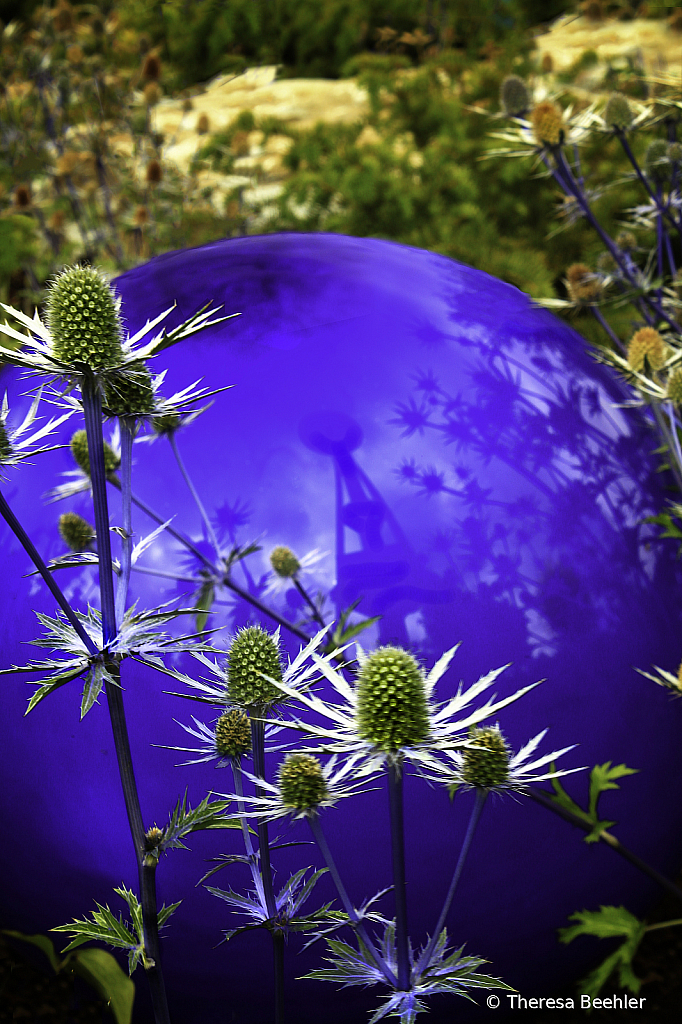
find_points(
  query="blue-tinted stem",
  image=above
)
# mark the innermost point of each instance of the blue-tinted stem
(395, 806)
(425, 958)
(127, 428)
(670, 438)
(596, 313)
(26, 542)
(306, 597)
(195, 494)
(659, 244)
(320, 839)
(92, 410)
(631, 157)
(248, 844)
(674, 435)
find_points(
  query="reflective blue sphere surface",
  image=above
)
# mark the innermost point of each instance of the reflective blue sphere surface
(462, 464)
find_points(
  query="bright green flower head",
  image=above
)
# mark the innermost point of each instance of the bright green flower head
(392, 712)
(302, 782)
(83, 318)
(284, 562)
(76, 531)
(233, 734)
(489, 766)
(253, 651)
(618, 112)
(130, 396)
(79, 450)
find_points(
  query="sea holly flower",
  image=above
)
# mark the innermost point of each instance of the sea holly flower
(389, 686)
(76, 481)
(288, 567)
(227, 742)
(83, 335)
(14, 446)
(487, 763)
(76, 531)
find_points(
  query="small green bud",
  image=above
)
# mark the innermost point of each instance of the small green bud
(514, 96)
(77, 532)
(284, 562)
(675, 152)
(130, 396)
(5, 444)
(253, 651)
(302, 782)
(617, 111)
(166, 424)
(233, 734)
(656, 161)
(83, 319)
(152, 838)
(674, 390)
(392, 708)
(487, 767)
(79, 450)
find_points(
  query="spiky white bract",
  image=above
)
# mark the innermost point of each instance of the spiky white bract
(277, 584)
(14, 446)
(447, 721)
(520, 774)
(340, 780)
(448, 972)
(207, 749)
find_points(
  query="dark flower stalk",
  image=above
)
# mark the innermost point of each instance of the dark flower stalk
(248, 844)
(425, 958)
(656, 198)
(195, 494)
(395, 804)
(127, 428)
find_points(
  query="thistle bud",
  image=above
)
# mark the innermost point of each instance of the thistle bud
(140, 216)
(152, 838)
(151, 68)
(154, 172)
(130, 396)
(166, 424)
(75, 531)
(647, 343)
(547, 64)
(22, 197)
(582, 284)
(674, 389)
(675, 152)
(253, 651)
(656, 161)
(487, 766)
(548, 124)
(79, 450)
(392, 710)
(284, 562)
(301, 782)
(233, 734)
(203, 124)
(83, 318)
(626, 241)
(618, 112)
(514, 96)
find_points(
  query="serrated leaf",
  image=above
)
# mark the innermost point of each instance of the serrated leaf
(207, 815)
(601, 779)
(94, 681)
(102, 972)
(608, 922)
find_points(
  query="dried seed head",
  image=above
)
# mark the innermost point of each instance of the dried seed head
(284, 562)
(301, 782)
(582, 284)
(187, 105)
(392, 710)
(130, 396)
(233, 734)
(152, 94)
(253, 651)
(594, 10)
(656, 163)
(75, 531)
(547, 65)
(63, 16)
(83, 318)
(548, 123)
(141, 216)
(674, 389)
(618, 112)
(79, 450)
(514, 96)
(489, 766)
(203, 124)
(647, 343)
(154, 172)
(626, 241)
(151, 68)
(22, 197)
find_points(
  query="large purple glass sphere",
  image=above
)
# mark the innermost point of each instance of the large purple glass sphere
(465, 467)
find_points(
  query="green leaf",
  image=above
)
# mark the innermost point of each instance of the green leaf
(94, 681)
(601, 779)
(208, 814)
(42, 942)
(342, 633)
(204, 603)
(103, 973)
(607, 923)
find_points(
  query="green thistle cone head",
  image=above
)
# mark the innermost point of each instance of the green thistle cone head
(618, 112)
(656, 161)
(284, 562)
(233, 734)
(674, 389)
(166, 424)
(392, 711)
(79, 450)
(131, 396)
(302, 784)
(675, 152)
(488, 766)
(76, 531)
(253, 651)
(514, 96)
(83, 318)
(5, 443)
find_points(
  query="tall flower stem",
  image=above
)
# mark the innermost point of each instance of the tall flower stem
(248, 844)
(28, 545)
(258, 746)
(127, 429)
(395, 805)
(92, 409)
(425, 958)
(321, 840)
(195, 494)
